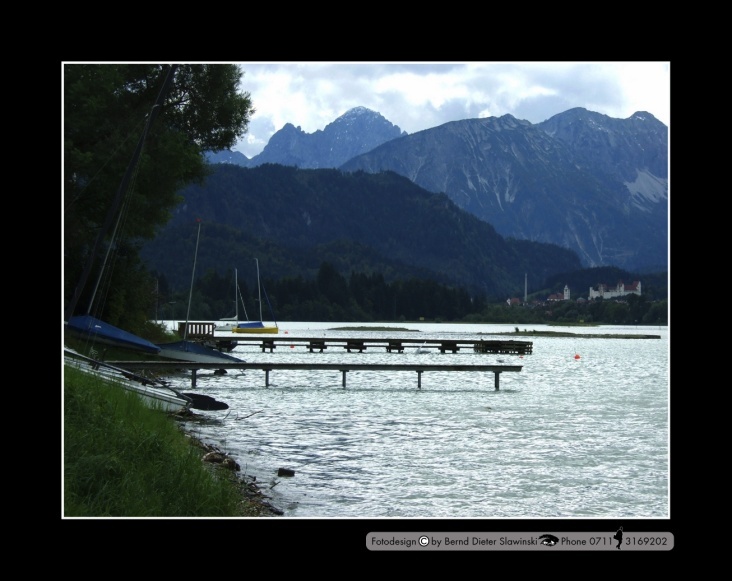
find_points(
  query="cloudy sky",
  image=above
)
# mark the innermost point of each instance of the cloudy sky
(417, 96)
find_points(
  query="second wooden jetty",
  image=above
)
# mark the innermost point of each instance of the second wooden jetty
(344, 368)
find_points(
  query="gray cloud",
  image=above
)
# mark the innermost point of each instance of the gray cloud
(417, 96)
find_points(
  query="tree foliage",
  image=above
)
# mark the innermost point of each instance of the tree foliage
(105, 111)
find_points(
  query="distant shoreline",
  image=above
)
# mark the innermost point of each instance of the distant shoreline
(523, 333)
(366, 328)
(578, 335)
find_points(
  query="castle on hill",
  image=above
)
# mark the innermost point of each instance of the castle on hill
(601, 291)
(620, 290)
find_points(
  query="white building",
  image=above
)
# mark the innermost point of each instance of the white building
(620, 290)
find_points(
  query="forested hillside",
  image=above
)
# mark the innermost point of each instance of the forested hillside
(294, 220)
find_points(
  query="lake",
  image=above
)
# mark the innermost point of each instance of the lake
(583, 431)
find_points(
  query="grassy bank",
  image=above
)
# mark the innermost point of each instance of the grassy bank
(124, 459)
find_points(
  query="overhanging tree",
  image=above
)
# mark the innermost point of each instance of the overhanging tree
(106, 108)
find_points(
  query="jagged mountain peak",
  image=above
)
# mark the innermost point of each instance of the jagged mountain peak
(634, 149)
(357, 112)
(362, 119)
(355, 132)
(593, 119)
(504, 122)
(642, 116)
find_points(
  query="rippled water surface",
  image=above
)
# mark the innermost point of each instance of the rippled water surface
(566, 437)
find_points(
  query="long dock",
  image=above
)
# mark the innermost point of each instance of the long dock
(344, 368)
(360, 344)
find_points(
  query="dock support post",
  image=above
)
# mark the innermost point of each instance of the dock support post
(498, 374)
(266, 377)
(193, 378)
(419, 379)
(344, 371)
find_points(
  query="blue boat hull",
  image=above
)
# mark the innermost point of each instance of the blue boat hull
(92, 329)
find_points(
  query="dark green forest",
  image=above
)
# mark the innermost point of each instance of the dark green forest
(330, 296)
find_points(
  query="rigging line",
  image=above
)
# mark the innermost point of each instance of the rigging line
(260, 287)
(271, 310)
(193, 277)
(241, 298)
(112, 254)
(259, 290)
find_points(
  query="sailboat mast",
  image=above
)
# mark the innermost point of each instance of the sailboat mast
(259, 287)
(193, 276)
(236, 295)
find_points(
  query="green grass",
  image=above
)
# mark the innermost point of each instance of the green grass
(125, 459)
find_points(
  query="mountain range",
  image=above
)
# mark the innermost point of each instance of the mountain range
(357, 131)
(294, 220)
(581, 180)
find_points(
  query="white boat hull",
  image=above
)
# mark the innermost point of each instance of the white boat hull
(155, 397)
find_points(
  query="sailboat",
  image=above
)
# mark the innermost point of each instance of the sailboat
(257, 326)
(186, 350)
(86, 332)
(152, 391)
(228, 324)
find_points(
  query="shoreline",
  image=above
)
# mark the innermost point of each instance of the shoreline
(575, 335)
(255, 503)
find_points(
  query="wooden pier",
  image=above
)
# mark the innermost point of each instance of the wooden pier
(359, 344)
(344, 368)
